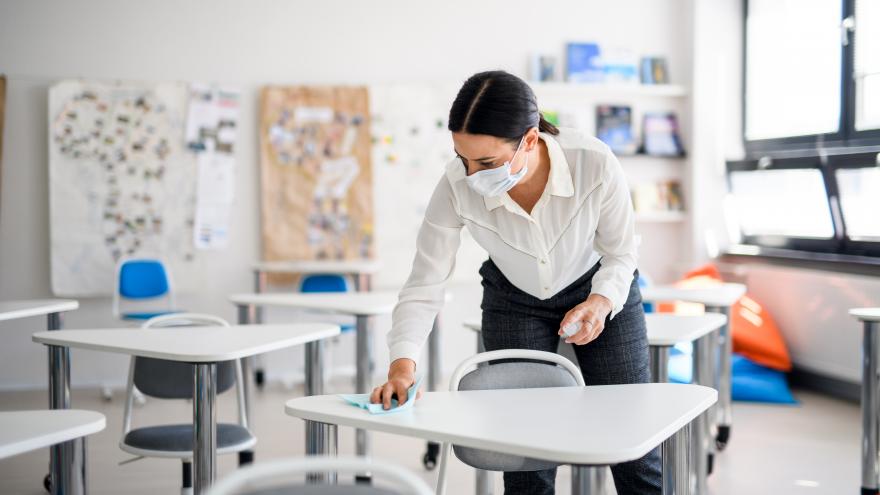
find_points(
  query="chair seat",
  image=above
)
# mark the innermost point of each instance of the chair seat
(148, 315)
(325, 490)
(179, 438)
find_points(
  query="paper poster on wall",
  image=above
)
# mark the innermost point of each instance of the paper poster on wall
(121, 182)
(317, 196)
(211, 131)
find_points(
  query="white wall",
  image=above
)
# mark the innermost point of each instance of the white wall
(252, 44)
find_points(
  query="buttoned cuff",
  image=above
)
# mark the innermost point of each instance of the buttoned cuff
(606, 289)
(407, 350)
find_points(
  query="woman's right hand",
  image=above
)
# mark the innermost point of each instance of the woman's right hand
(401, 376)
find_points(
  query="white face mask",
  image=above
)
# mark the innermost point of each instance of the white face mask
(497, 181)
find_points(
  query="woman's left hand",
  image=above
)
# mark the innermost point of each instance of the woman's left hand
(591, 314)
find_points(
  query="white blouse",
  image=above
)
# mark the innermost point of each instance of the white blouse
(584, 214)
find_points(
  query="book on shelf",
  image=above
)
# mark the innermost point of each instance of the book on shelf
(660, 134)
(614, 128)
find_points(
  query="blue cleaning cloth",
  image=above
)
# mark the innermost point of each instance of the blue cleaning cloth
(363, 400)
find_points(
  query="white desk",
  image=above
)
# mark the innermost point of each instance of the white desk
(360, 270)
(717, 299)
(52, 309)
(870, 318)
(23, 431)
(664, 331)
(204, 347)
(363, 306)
(12, 310)
(591, 426)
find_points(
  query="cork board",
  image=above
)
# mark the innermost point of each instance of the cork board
(316, 173)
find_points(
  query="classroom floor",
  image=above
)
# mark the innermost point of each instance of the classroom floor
(812, 448)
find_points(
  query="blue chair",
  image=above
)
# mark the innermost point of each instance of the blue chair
(644, 281)
(142, 281)
(327, 283)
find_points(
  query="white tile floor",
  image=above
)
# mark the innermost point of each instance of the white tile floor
(808, 449)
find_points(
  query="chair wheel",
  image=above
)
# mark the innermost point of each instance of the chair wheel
(245, 457)
(363, 479)
(722, 438)
(429, 460)
(260, 378)
(47, 483)
(710, 463)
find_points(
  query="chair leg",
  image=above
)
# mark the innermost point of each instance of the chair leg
(187, 485)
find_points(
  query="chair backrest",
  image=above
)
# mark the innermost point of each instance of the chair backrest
(324, 283)
(285, 477)
(171, 379)
(142, 279)
(531, 369)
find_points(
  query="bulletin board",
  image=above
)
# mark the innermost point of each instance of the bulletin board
(316, 173)
(121, 182)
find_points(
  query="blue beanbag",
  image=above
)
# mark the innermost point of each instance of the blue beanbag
(751, 382)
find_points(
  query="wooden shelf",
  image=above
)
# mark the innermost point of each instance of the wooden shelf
(661, 216)
(605, 90)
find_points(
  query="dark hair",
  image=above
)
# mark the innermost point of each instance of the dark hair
(497, 103)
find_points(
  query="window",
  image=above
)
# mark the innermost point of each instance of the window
(793, 64)
(825, 206)
(783, 203)
(811, 75)
(867, 65)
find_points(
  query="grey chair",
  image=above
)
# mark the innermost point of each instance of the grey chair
(173, 380)
(289, 477)
(550, 370)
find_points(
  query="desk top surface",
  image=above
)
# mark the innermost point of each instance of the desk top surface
(23, 431)
(11, 310)
(192, 344)
(351, 303)
(366, 267)
(664, 329)
(718, 295)
(574, 425)
(866, 314)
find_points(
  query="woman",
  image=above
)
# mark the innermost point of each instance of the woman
(552, 208)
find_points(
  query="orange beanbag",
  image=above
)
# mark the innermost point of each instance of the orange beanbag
(755, 334)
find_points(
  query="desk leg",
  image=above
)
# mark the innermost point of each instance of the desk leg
(659, 363)
(588, 480)
(675, 453)
(315, 367)
(429, 460)
(724, 407)
(321, 439)
(700, 439)
(204, 426)
(484, 482)
(67, 460)
(870, 409)
(363, 282)
(362, 360)
(245, 313)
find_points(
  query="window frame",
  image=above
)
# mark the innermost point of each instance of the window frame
(846, 135)
(832, 245)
